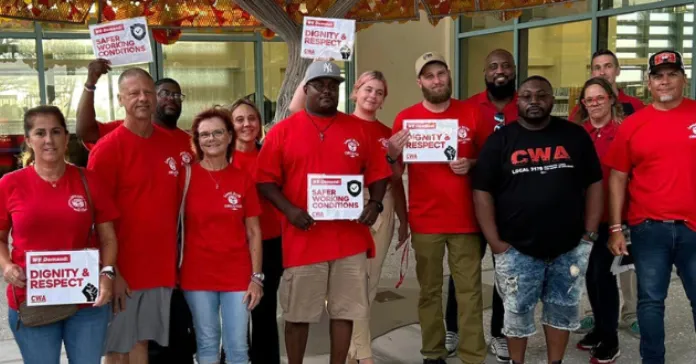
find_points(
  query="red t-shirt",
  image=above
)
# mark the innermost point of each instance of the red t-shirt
(602, 139)
(141, 175)
(488, 109)
(104, 128)
(270, 216)
(47, 218)
(658, 149)
(630, 105)
(293, 149)
(441, 202)
(216, 251)
(380, 132)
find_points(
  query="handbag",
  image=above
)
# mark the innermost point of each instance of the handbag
(182, 207)
(34, 316)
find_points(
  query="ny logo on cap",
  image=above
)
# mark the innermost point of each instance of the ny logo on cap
(665, 58)
(427, 55)
(328, 67)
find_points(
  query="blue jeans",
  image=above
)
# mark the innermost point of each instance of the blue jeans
(206, 308)
(656, 247)
(523, 280)
(83, 334)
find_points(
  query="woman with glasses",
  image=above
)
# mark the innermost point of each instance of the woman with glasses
(51, 205)
(600, 113)
(222, 253)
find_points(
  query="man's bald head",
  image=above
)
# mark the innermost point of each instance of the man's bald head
(134, 72)
(500, 74)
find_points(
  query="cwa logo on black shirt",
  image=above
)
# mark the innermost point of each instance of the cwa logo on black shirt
(540, 160)
(538, 180)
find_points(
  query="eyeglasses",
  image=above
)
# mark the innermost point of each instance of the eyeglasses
(216, 134)
(499, 118)
(178, 96)
(601, 99)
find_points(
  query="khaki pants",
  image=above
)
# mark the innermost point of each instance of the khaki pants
(361, 342)
(464, 256)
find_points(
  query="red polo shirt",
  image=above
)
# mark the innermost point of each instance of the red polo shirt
(46, 218)
(441, 202)
(658, 149)
(630, 105)
(293, 149)
(602, 139)
(488, 109)
(140, 174)
(270, 216)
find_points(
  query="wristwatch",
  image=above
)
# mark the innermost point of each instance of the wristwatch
(390, 160)
(108, 271)
(259, 276)
(592, 236)
(380, 206)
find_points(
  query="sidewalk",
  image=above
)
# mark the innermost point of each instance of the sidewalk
(397, 334)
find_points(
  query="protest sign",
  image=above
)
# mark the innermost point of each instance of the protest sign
(123, 42)
(334, 197)
(62, 277)
(328, 38)
(431, 140)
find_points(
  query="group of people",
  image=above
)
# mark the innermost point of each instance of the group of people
(206, 228)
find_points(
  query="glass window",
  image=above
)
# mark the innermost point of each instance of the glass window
(66, 62)
(16, 25)
(478, 22)
(561, 53)
(210, 73)
(556, 10)
(19, 91)
(473, 52)
(613, 4)
(654, 30)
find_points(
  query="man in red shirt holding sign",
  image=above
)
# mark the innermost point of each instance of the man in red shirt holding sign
(657, 148)
(441, 213)
(325, 261)
(139, 167)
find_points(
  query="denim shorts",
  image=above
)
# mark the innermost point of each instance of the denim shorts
(523, 280)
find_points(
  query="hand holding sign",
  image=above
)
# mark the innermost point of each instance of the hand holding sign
(96, 69)
(397, 143)
(105, 289)
(461, 167)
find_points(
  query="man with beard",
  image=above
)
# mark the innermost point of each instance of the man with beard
(653, 155)
(538, 196)
(441, 214)
(325, 261)
(167, 112)
(499, 106)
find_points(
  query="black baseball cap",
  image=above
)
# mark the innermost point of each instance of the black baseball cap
(665, 58)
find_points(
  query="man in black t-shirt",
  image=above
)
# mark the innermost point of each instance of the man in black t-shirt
(538, 196)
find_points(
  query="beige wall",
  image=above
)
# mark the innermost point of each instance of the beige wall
(393, 49)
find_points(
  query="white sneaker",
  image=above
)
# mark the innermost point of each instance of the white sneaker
(451, 342)
(499, 348)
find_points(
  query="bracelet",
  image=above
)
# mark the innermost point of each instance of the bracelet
(614, 226)
(257, 281)
(616, 230)
(90, 88)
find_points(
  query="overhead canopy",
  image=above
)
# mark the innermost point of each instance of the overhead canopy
(227, 14)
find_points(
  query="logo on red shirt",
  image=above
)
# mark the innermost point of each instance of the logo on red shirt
(233, 201)
(463, 134)
(78, 203)
(185, 158)
(385, 143)
(172, 166)
(692, 127)
(352, 148)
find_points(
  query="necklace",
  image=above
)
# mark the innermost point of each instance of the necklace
(51, 181)
(217, 183)
(321, 132)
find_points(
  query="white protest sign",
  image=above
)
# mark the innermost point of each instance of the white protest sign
(334, 197)
(431, 140)
(328, 38)
(62, 277)
(123, 42)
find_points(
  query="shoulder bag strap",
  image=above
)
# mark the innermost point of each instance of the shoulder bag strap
(90, 205)
(182, 208)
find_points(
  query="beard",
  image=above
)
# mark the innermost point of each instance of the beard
(666, 98)
(169, 119)
(501, 92)
(438, 97)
